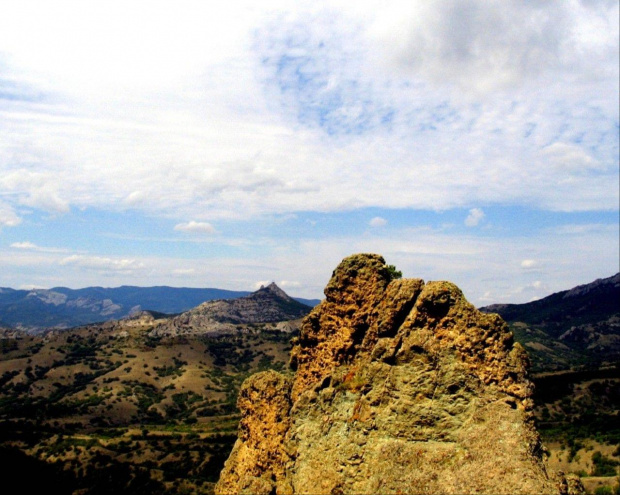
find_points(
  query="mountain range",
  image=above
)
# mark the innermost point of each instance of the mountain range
(39, 309)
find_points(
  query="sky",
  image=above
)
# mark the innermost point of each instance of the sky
(231, 144)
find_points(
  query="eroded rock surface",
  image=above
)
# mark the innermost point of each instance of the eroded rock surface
(399, 387)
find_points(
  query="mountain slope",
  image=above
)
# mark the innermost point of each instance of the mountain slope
(575, 327)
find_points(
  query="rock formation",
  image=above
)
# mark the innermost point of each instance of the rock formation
(399, 387)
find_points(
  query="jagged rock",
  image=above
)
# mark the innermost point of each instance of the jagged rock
(400, 387)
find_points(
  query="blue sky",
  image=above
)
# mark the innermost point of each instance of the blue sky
(174, 143)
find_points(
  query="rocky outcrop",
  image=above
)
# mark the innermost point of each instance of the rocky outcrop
(267, 305)
(399, 387)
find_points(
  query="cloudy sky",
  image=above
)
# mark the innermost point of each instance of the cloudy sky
(178, 143)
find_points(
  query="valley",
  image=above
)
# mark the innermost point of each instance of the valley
(157, 412)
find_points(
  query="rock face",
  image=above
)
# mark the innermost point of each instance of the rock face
(399, 387)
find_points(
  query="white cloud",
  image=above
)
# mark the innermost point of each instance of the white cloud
(533, 291)
(313, 132)
(582, 229)
(184, 271)
(8, 217)
(195, 227)
(35, 189)
(569, 158)
(272, 109)
(46, 199)
(483, 45)
(483, 267)
(261, 283)
(528, 264)
(24, 245)
(289, 284)
(378, 222)
(475, 217)
(31, 287)
(103, 265)
(135, 198)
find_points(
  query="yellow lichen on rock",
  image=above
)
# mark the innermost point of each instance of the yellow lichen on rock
(264, 402)
(400, 387)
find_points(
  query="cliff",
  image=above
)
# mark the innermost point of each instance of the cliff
(400, 386)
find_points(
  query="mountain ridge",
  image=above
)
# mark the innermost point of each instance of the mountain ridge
(568, 329)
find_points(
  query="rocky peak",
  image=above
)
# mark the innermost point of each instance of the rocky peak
(272, 290)
(400, 386)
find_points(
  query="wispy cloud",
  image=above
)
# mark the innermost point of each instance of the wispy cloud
(249, 112)
(321, 84)
(8, 217)
(195, 227)
(501, 267)
(29, 246)
(103, 265)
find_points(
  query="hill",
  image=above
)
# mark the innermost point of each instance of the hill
(267, 305)
(573, 328)
(116, 408)
(60, 307)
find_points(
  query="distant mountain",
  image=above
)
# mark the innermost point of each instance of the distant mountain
(575, 327)
(308, 302)
(267, 305)
(60, 307)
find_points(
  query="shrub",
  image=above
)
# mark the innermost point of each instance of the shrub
(603, 465)
(394, 273)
